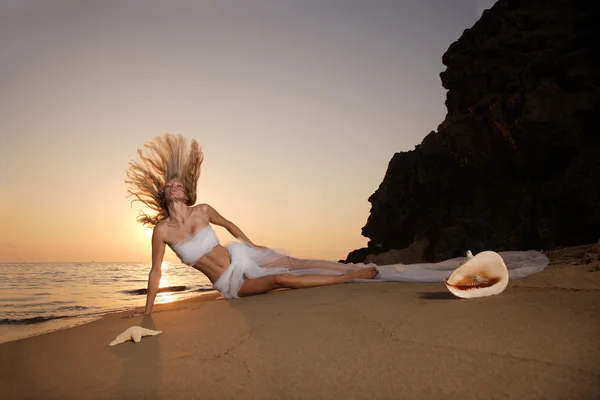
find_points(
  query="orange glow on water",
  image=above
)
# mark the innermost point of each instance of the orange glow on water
(165, 281)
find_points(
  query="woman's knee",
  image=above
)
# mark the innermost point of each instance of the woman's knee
(285, 280)
(258, 285)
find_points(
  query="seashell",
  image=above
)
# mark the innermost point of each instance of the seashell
(482, 275)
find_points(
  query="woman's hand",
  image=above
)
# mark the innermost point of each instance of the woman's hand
(260, 247)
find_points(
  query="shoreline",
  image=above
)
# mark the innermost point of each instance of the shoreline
(580, 255)
(538, 339)
(8, 334)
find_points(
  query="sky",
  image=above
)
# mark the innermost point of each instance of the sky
(298, 105)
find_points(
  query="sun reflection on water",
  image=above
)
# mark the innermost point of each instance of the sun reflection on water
(165, 281)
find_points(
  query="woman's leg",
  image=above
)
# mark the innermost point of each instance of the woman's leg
(271, 282)
(277, 259)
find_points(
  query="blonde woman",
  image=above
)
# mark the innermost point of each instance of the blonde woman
(164, 179)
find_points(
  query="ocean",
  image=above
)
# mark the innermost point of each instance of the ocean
(37, 298)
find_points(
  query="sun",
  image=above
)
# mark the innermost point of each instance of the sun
(148, 232)
(144, 235)
(164, 267)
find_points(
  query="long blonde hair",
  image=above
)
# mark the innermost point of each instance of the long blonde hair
(161, 159)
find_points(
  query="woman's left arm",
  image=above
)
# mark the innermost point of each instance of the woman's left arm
(218, 219)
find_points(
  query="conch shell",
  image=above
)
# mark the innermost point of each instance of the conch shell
(482, 275)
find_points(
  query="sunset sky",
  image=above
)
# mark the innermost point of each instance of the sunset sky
(298, 105)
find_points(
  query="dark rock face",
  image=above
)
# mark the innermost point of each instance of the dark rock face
(516, 163)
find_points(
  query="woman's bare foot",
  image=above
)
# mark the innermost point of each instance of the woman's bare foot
(365, 273)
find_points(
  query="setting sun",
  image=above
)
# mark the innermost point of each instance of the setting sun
(164, 266)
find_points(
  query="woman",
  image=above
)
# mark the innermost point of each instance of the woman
(164, 179)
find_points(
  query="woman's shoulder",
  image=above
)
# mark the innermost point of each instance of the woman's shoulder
(161, 227)
(202, 208)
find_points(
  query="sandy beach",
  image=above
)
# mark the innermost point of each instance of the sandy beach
(537, 340)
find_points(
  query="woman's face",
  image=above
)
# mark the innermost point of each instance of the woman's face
(174, 191)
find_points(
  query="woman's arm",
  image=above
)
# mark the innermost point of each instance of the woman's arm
(158, 252)
(218, 219)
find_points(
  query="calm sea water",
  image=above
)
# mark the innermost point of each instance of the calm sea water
(41, 297)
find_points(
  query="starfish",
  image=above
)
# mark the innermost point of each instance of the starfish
(135, 333)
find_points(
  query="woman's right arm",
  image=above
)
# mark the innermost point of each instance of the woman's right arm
(158, 253)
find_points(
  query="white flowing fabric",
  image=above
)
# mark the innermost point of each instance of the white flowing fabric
(247, 261)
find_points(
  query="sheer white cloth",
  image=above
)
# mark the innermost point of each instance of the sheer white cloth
(249, 262)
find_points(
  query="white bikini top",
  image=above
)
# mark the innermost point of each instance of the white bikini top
(197, 246)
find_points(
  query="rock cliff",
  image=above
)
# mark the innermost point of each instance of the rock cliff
(516, 162)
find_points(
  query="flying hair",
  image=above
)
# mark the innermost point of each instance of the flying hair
(160, 160)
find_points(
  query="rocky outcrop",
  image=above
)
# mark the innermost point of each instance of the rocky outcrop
(516, 162)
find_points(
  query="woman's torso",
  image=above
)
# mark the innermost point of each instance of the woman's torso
(214, 261)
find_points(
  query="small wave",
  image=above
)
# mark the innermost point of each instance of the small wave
(32, 320)
(35, 305)
(72, 308)
(160, 290)
(11, 299)
(205, 289)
